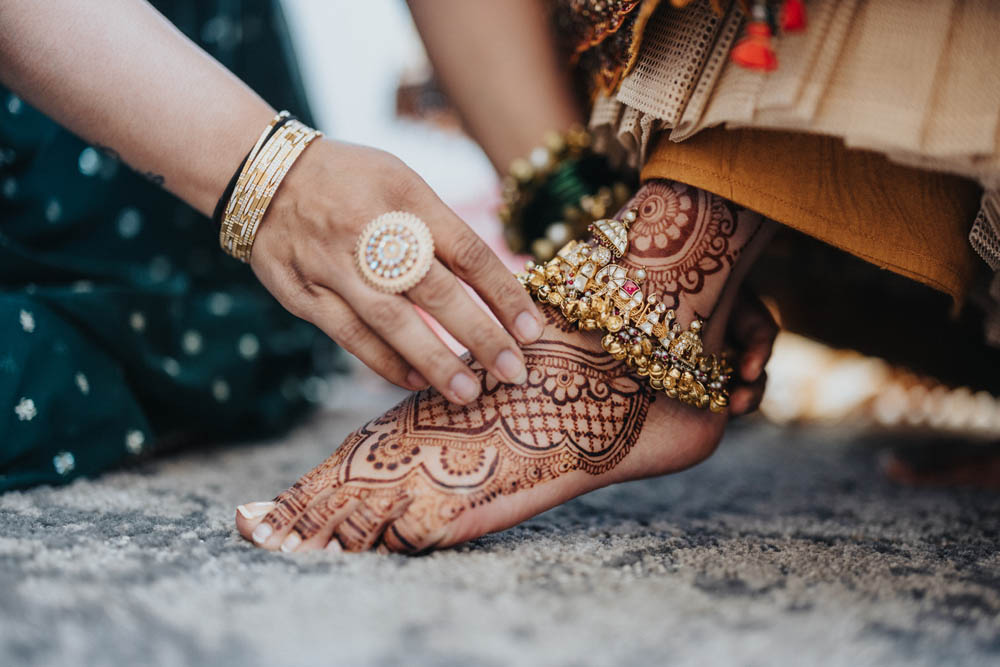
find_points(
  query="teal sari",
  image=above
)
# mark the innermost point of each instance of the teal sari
(124, 328)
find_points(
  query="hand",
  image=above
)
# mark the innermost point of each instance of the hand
(304, 255)
(752, 331)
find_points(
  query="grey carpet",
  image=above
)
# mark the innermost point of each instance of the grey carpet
(785, 548)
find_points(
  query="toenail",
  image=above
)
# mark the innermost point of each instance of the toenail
(528, 327)
(291, 543)
(261, 533)
(255, 510)
(334, 546)
(464, 387)
(511, 368)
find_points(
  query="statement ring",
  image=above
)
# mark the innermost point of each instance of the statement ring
(394, 252)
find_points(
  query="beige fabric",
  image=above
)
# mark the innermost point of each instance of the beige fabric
(918, 80)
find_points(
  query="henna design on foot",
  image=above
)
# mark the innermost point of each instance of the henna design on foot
(428, 473)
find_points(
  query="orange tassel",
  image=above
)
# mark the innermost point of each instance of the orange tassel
(793, 16)
(755, 51)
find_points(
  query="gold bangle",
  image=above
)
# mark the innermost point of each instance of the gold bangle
(266, 167)
(593, 291)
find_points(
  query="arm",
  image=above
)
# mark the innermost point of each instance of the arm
(498, 64)
(126, 78)
(117, 73)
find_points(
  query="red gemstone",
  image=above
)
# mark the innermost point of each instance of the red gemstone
(630, 287)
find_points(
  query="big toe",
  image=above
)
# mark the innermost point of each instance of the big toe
(249, 516)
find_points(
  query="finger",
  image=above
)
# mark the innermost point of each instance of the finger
(338, 320)
(473, 261)
(441, 295)
(752, 328)
(746, 398)
(395, 320)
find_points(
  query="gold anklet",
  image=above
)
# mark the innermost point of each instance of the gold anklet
(595, 293)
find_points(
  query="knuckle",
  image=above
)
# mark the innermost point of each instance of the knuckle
(437, 291)
(386, 312)
(350, 331)
(470, 254)
(441, 362)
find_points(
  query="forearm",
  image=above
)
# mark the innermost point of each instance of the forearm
(497, 62)
(118, 74)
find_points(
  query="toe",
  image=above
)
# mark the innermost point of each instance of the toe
(315, 526)
(363, 527)
(271, 530)
(251, 514)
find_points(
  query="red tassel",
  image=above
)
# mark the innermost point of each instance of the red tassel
(793, 16)
(755, 51)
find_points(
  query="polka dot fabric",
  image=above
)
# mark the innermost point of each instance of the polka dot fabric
(122, 325)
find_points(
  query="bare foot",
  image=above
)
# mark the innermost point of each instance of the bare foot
(429, 474)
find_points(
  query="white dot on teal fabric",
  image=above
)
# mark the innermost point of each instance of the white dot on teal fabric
(89, 162)
(82, 383)
(7, 156)
(53, 210)
(159, 268)
(30, 288)
(137, 321)
(171, 367)
(129, 222)
(25, 409)
(27, 320)
(220, 303)
(134, 440)
(9, 188)
(248, 345)
(220, 390)
(14, 104)
(82, 286)
(64, 463)
(191, 342)
(315, 389)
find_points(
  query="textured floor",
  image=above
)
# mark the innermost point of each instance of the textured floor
(785, 548)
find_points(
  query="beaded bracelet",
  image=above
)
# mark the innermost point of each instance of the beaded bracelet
(547, 196)
(596, 293)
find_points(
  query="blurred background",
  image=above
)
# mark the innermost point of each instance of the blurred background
(370, 82)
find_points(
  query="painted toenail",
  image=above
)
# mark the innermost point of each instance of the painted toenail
(291, 543)
(528, 327)
(261, 533)
(255, 510)
(511, 367)
(464, 387)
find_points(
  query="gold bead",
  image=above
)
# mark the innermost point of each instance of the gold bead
(647, 346)
(543, 249)
(657, 370)
(555, 298)
(614, 323)
(655, 383)
(635, 349)
(522, 170)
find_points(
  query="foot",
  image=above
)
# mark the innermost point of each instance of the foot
(429, 474)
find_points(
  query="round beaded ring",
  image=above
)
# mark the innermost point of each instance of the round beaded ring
(394, 252)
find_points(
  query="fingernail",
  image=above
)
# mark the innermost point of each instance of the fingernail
(416, 380)
(511, 368)
(751, 370)
(528, 327)
(464, 387)
(255, 510)
(291, 543)
(334, 546)
(261, 533)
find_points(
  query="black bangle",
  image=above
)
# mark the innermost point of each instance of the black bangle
(220, 207)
